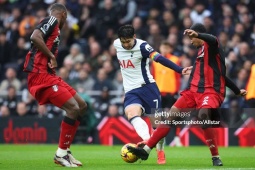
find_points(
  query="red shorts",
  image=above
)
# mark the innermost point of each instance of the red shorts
(47, 88)
(190, 100)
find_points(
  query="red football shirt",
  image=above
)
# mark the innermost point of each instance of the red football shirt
(209, 70)
(36, 61)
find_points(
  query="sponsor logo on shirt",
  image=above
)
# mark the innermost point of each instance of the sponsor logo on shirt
(45, 28)
(126, 64)
(148, 48)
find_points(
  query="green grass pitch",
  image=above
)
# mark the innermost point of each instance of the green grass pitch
(96, 157)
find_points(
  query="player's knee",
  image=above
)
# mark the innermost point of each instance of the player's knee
(74, 109)
(204, 114)
(174, 109)
(131, 114)
(170, 115)
(83, 108)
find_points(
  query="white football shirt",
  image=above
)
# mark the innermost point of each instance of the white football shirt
(134, 64)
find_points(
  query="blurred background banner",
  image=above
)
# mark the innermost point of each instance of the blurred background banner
(30, 130)
(115, 130)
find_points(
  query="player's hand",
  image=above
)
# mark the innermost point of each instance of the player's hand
(187, 70)
(243, 92)
(190, 33)
(53, 63)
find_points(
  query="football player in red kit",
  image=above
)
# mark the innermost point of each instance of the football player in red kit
(205, 91)
(47, 87)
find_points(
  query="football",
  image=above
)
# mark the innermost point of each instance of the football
(126, 155)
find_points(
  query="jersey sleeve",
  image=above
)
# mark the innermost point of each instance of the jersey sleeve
(210, 39)
(148, 52)
(47, 25)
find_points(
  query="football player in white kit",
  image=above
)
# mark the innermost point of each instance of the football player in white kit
(141, 92)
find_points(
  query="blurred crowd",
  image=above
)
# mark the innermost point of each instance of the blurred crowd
(87, 58)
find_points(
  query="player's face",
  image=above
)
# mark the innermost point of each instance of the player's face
(127, 43)
(63, 19)
(196, 42)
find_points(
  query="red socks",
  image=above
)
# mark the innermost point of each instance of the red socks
(66, 134)
(210, 138)
(68, 131)
(76, 125)
(160, 132)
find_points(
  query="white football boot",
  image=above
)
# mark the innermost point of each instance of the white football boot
(64, 161)
(72, 159)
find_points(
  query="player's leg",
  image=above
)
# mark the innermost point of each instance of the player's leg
(82, 111)
(152, 104)
(160, 151)
(160, 132)
(177, 140)
(185, 101)
(133, 108)
(207, 108)
(210, 136)
(133, 113)
(168, 101)
(61, 97)
(66, 130)
(82, 106)
(160, 145)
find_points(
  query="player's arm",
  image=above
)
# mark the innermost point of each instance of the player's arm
(38, 41)
(165, 62)
(210, 39)
(230, 84)
(148, 52)
(45, 29)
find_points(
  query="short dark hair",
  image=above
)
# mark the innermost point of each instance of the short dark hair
(126, 31)
(198, 27)
(58, 7)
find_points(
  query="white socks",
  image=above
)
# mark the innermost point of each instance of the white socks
(147, 149)
(142, 130)
(61, 152)
(141, 127)
(216, 156)
(160, 144)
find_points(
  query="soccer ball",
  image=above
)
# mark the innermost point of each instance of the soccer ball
(126, 155)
